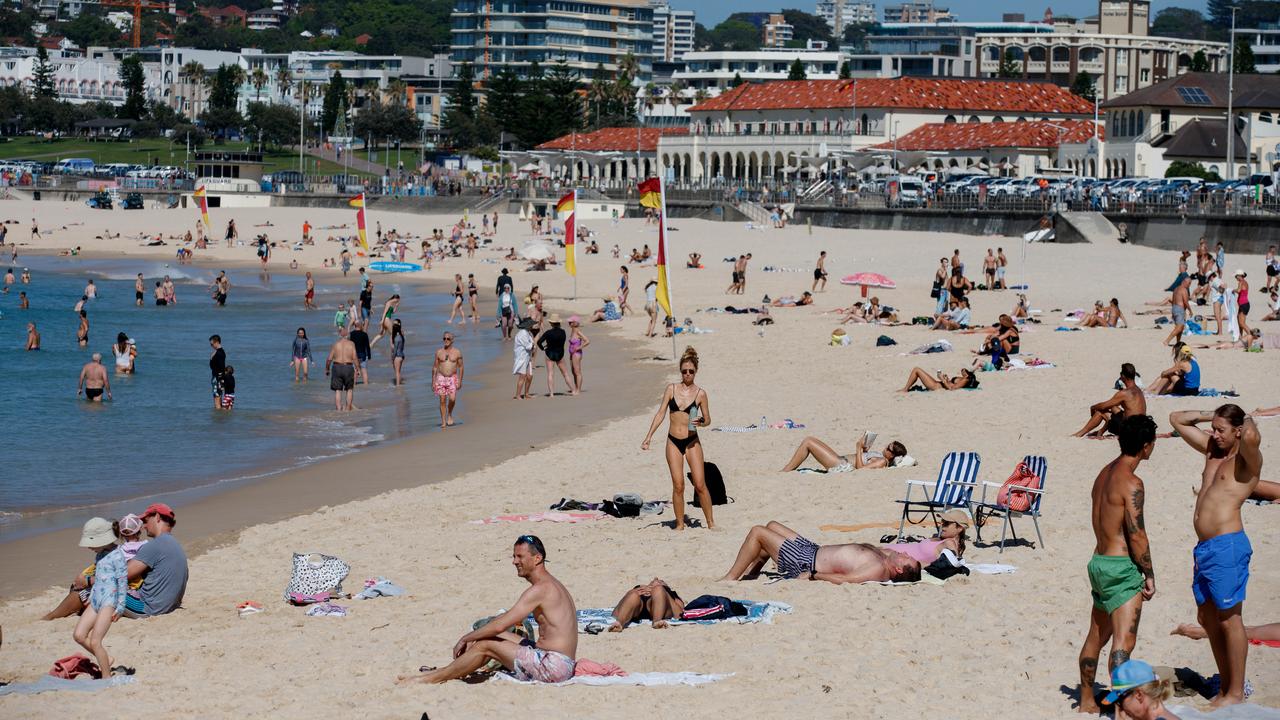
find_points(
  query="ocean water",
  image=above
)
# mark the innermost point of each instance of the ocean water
(66, 459)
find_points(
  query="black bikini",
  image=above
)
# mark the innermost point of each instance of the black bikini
(683, 443)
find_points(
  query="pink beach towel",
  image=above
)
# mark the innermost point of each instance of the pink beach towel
(1268, 643)
(73, 666)
(594, 669)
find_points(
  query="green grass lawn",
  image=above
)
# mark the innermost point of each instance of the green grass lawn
(145, 152)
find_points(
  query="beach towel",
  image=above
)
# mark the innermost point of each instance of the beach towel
(991, 568)
(645, 679)
(548, 516)
(856, 528)
(326, 610)
(1028, 364)
(595, 620)
(936, 346)
(1267, 643)
(1231, 712)
(49, 683)
(73, 666)
(1204, 392)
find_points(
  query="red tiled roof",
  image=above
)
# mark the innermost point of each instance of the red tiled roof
(619, 139)
(907, 92)
(977, 136)
(363, 39)
(228, 11)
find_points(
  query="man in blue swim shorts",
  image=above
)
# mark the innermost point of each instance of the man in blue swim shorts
(1232, 464)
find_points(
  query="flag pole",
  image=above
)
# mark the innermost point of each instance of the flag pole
(574, 249)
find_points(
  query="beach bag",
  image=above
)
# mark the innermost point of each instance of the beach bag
(624, 505)
(1010, 495)
(715, 483)
(315, 574)
(936, 292)
(885, 340)
(712, 607)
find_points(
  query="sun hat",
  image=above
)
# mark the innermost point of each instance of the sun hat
(1241, 273)
(526, 323)
(574, 320)
(958, 517)
(1127, 676)
(554, 319)
(97, 533)
(130, 525)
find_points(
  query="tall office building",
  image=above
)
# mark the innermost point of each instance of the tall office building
(493, 34)
(672, 32)
(915, 12)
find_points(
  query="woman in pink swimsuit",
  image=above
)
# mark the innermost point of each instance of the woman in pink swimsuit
(953, 526)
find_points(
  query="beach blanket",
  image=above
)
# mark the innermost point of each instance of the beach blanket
(548, 516)
(646, 679)
(596, 620)
(1028, 364)
(991, 568)
(936, 346)
(787, 424)
(48, 683)
(1231, 712)
(1204, 392)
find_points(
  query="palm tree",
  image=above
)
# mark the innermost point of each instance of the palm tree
(284, 81)
(396, 91)
(258, 78)
(675, 94)
(195, 75)
(629, 67)
(700, 96)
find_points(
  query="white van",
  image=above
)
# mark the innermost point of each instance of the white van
(912, 191)
(74, 166)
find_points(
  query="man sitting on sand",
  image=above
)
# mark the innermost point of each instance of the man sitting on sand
(797, 556)
(551, 659)
(1128, 401)
(656, 601)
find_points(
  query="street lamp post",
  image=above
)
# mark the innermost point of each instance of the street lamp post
(1231, 84)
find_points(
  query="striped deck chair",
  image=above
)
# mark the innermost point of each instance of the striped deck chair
(953, 489)
(984, 510)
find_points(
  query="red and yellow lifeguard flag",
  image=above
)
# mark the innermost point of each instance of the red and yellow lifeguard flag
(357, 202)
(652, 195)
(565, 207)
(203, 202)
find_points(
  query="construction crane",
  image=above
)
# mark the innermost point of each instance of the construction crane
(138, 6)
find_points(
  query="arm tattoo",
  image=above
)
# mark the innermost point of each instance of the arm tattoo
(1139, 495)
(1144, 565)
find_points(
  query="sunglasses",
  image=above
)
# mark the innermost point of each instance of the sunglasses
(687, 372)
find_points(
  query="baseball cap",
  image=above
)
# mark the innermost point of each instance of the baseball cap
(959, 517)
(97, 533)
(1127, 676)
(159, 509)
(130, 525)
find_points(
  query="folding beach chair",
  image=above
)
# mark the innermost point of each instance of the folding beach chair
(953, 489)
(984, 510)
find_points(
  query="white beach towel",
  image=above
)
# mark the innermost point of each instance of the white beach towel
(1247, 711)
(647, 679)
(991, 568)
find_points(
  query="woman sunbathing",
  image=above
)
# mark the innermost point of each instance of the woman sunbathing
(834, 462)
(655, 601)
(854, 314)
(1105, 316)
(1251, 342)
(791, 301)
(953, 527)
(966, 380)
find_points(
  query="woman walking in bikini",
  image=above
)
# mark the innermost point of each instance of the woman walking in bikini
(689, 409)
(457, 301)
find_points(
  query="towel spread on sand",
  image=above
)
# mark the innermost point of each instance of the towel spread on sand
(379, 587)
(48, 683)
(991, 568)
(1204, 392)
(1231, 712)
(548, 516)
(594, 620)
(856, 528)
(647, 679)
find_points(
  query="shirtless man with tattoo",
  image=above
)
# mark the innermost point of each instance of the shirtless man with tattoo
(1121, 577)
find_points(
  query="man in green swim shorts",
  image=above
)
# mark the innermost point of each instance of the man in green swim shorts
(1120, 574)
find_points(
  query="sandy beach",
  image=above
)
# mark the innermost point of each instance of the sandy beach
(965, 649)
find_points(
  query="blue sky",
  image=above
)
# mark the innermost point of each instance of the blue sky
(711, 12)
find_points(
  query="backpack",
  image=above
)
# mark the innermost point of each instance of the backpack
(712, 607)
(1010, 496)
(314, 575)
(715, 483)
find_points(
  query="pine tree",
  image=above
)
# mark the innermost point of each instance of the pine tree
(846, 72)
(503, 100)
(561, 87)
(335, 94)
(1009, 68)
(462, 99)
(736, 81)
(42, 76)
(1243, 60)
(1200, 62)
(796, 72)
(1083, 86)
(134, 80)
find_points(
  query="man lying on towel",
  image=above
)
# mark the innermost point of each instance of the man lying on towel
(551, 659)
(799, 557)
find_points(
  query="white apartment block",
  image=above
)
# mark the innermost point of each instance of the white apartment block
(1265, 43)
(839, 13)
(672, 32)
(716, 69)
(76, 79)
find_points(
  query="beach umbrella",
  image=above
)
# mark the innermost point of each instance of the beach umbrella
(529, 167)
(868, 279)
(537, 251)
